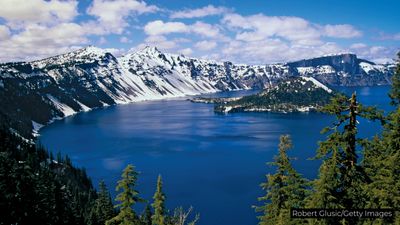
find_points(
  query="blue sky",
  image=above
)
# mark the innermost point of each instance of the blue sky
(253, 32)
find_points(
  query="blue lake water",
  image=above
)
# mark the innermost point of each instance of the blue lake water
(212, 162)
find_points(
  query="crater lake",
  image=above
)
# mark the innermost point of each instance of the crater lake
(212, 162)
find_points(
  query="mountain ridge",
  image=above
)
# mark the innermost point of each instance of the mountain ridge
(40, 91)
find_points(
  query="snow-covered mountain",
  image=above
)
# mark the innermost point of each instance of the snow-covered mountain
(344, 70)
(40, 91)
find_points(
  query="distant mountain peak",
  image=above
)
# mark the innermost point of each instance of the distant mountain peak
(90, 50)
(151, 50)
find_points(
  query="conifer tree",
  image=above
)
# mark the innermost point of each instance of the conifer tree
(285, 189)
(128, 197)
(382, 157)
(341, 178)
(394, 93)
(36, 190)
(103, 208)
(158, 205)
(146, 215)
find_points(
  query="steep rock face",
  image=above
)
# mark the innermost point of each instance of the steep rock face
(347, 63)
(37, 92)
(343, 70)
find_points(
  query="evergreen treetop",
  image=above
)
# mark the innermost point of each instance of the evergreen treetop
(158, 217)
(284, 190)
(127, 198)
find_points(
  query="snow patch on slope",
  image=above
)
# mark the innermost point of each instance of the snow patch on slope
(366, 67)
(323, 69)
(317, 83)
(83, 106)
(65, 109)
(36, 127)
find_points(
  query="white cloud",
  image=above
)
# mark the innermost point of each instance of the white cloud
(358, 46)
(39, 28)
(115, 51)
(209, 10)
(17, 12)
(205, 45)
(124, 39)
(186, 51)
(4, 32)
(158, 27)
(259, 27)
(161, 42)
(264, 39)
(102, 41)
(295, 29)
(38, 41)
(384, 36)
(341, 31)
(234, 20)
(182, 40)
(378, 54)
(205, 29)
(112, 15)
(64, 33)
(273, 50)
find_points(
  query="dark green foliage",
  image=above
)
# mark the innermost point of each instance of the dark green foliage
(159, 205)
(395, 91)
(146, 215)
(37, 190)
(127, 198)
(284, 190)
(288, 95)
(341, 177)
(382, 157)
(343, 181)
(103, 208)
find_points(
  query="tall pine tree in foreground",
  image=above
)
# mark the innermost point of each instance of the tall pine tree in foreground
(382, 158)
(341, 178)
(285, 189)
(128, 197)
(159, 205)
